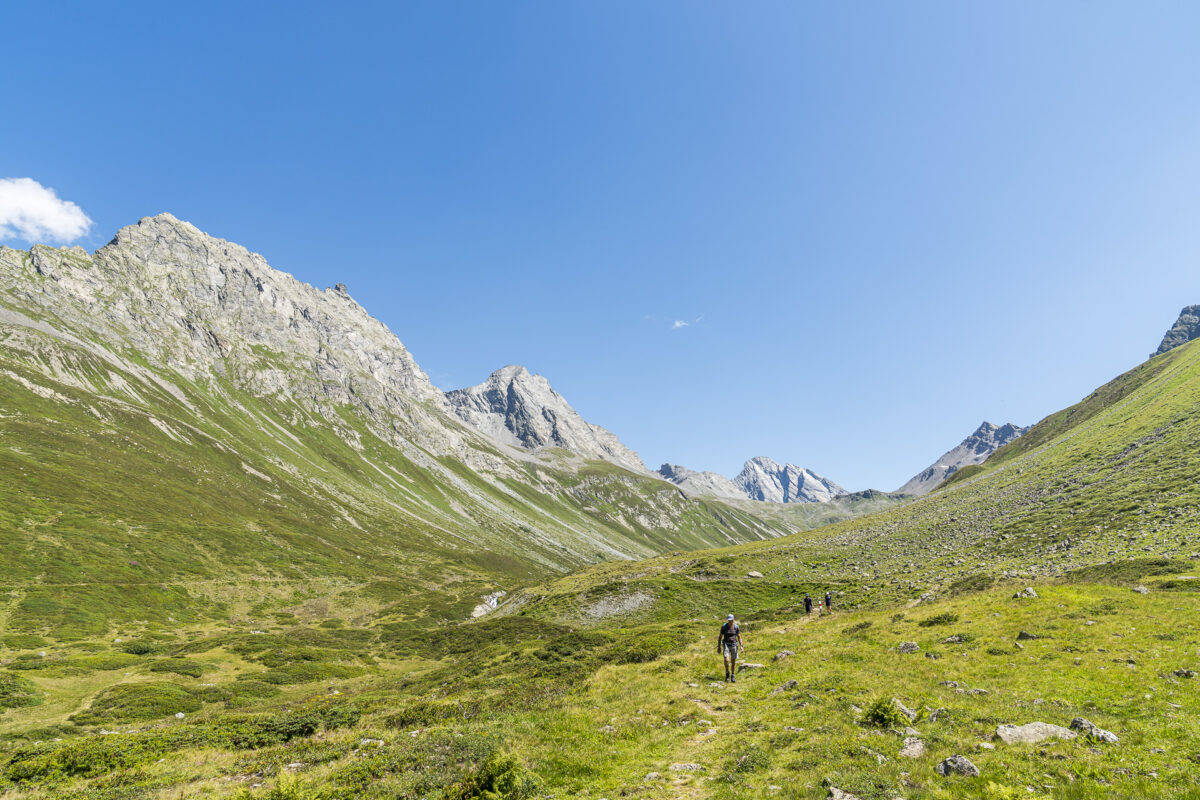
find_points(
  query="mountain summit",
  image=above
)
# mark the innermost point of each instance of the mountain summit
(1186, 328)
(522, 409)
(763, 479)
(974, 449)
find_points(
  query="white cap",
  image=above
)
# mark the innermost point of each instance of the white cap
(730, 616)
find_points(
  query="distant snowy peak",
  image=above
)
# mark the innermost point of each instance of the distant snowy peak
(706, 484)
(522, 409)
(760, 479)
(975, 449)
(763, 479)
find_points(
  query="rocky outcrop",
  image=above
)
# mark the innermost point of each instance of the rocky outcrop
(975, 449)
(760, 479)
(1186, 328)
(763, 479)
(705, 484)
(521, 409)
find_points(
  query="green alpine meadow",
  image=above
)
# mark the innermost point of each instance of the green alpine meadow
(250, 551)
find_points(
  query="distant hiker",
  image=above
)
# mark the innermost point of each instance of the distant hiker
(807, 604)
(829, 602)
(729, 643)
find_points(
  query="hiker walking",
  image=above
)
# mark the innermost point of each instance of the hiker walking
(807, 604)
(729, 643)
(829, 602)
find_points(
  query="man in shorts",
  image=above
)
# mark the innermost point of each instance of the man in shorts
(729, 644)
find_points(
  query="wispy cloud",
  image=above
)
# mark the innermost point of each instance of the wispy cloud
(34, 213)
(677, 324)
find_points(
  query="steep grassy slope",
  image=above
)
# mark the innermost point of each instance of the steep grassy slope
(137, 492)
(1115, 477)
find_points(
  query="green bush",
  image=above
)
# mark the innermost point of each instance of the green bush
(501, 777)
(138, 648)
(972, 583)
(105, 661)
(946, 618)
(17, 692)
(137, 702)
(882, 713)
(23, 641)
(179, 666)
(307, 673)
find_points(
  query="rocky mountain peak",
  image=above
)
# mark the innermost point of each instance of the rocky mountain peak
(1186, 328)
(764, 479)
(523, 410)
(707, 484)
(975, 449)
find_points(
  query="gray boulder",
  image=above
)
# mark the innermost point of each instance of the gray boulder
(909, 647)
(957, 765)
(1093, 732)
(1032, 733)
(1186, 328)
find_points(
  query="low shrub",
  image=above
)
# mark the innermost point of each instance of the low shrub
(17, 691)
(179, 666)
(882, 713)
(946, 618)
(138, 648)
(136, 702)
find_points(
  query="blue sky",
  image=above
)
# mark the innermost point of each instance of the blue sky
(882, 222)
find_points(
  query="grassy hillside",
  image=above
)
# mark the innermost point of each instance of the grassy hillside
(516, 707)
(134, 493)
(1114, 478)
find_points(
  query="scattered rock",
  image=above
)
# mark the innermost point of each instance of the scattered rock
(1025, 636)
(1032, 733)
(754, 574)
(986, 746)
(1141, 590)
(179, 715)
(951, 684)
(783, 687)
(955, 639)
(1026, 593)
(837, 794)
(1185, 673)
(652, 776)
(936, 714)
(908, 647)
(908, 713)
(371, 743)
(746, 665)
(687, 768)
(1093, 732)
(608, 729)
(958, 765)
(782, 654)
(913, 748)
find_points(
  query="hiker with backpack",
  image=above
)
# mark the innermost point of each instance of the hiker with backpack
(807, 604)
(729, 644)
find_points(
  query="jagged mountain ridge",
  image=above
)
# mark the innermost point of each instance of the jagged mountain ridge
(761, 479)
(522, 409)
(975, 449)
(1185, 329)
(174, 410)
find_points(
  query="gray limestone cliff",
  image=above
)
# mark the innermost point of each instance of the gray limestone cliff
(763, 479)
(975, 449)
(1186, 328)
(522, 409)
(704, 484)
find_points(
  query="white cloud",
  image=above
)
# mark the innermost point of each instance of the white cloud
(678, 324)
(34, 213)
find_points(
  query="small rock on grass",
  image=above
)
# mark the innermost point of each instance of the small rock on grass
(837, 794)
(1025, 636)
(1032, 733)
(782, 654)
(1185, 673)
(913, 748)
(908, 713)
(686, 768)
(908, 647)
(783, 687)
(957, 765)
(1026, 593)
(745, 666)
(754, 574)
(1141, 590)
(1093, 731)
